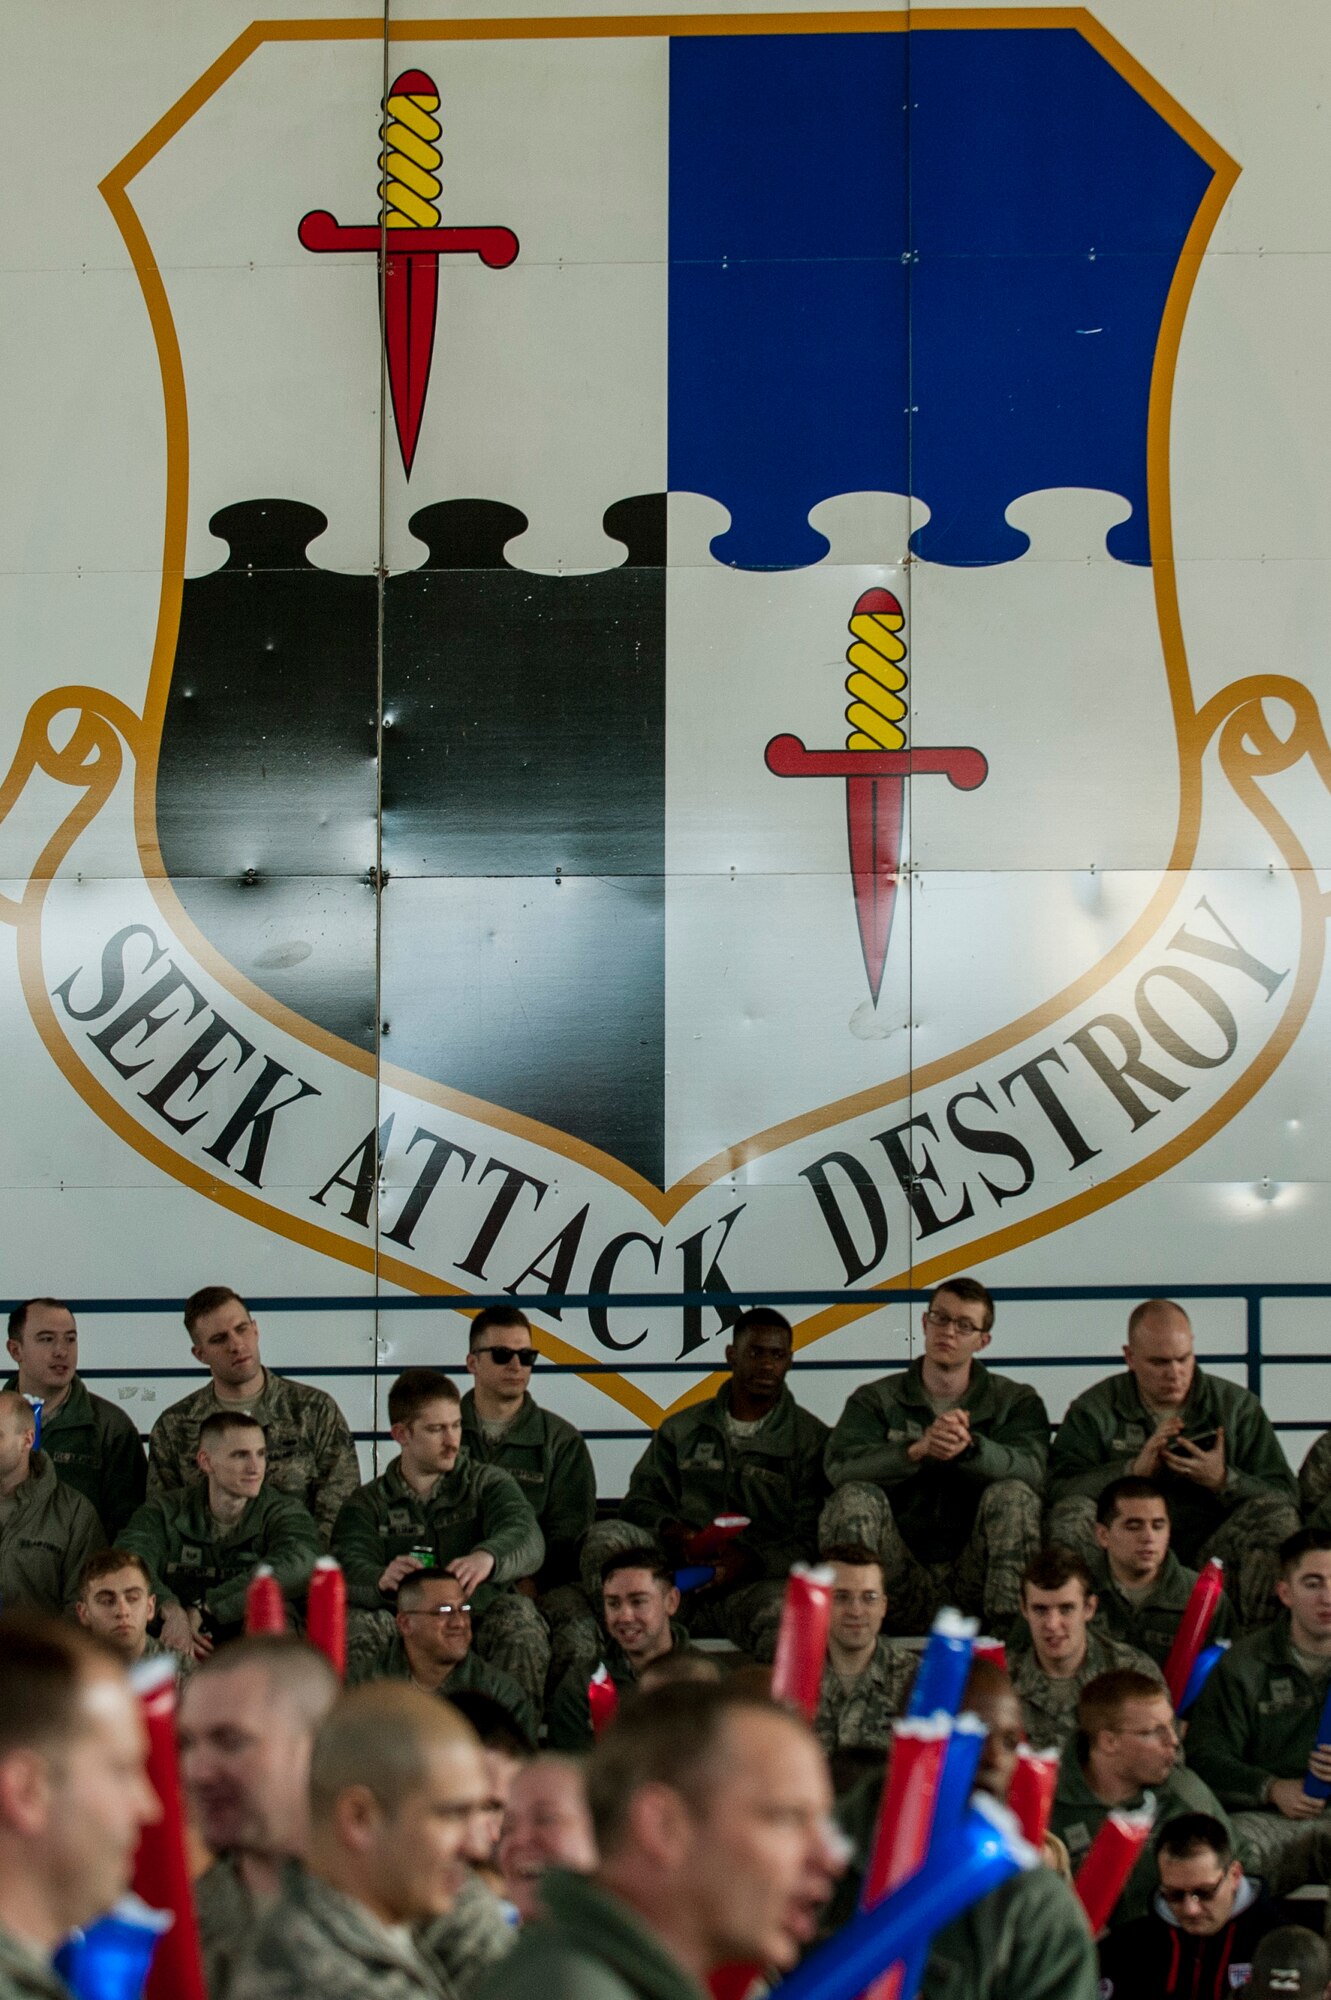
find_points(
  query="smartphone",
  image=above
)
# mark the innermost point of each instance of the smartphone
(1205, 1441)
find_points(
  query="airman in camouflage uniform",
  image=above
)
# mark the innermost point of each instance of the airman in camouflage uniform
(857, 1713)
(1049, 1706)
(92, 1444)
(435, 1507)
(316, 1940)
(751, 1450)
(47, 1530)
(939, 1468)
(201, 1559)
(1210, 1444)
(311, 1453)
(1315, 1484)
(1055, 1649)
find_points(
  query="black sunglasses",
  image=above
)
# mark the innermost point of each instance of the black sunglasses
(501, 1356)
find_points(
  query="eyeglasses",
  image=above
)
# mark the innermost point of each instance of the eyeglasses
(848, 1597)
(1176, 1898)
(932, 1318)
(441, 1611)
(501, 1356)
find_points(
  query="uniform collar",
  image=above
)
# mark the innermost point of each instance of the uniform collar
(603, 1924)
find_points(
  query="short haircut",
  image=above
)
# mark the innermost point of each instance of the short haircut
(12, 1404)
(1153, 1309)
(44, 1663)
(494, 1722)
(110, 1562)
(761, 1319)
(971, 1292)
(222, 1421)
(417, 1581)
(986, 1677)
(379, 1736)
(495, 1316)
(1055, 1566)
(681, 1663)
(669, 1737)
(207, 1299)
(646, 1555)
(296, 1671)
(1292, 1962)
(854, 1555)
(1304, 1542)
(1101, 1703)
(18, 1319)
(415, 1389)
(1133, 1487)
(1190, 1834)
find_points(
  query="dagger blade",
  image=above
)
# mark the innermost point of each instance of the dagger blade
(411, 301)
(875, 811)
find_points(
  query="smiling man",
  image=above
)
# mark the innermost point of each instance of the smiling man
(311, 1453)
(92, 1444)
(1207, 1443)
(940, 1468)
(1142, 1586)
(431, 1647)
(640, 1598)
(866, 1678)
(711, 1809)
(201, 1546)
(1066, 1648)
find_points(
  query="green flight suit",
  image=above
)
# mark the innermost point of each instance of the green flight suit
(1078, 1816)
(96, 1449)
(195, 1560)
(24, 1976)
(569, 1715)
(46, 1541)
(311, 1452)
(589, 1946)
(315, 1940)
(1152, 1623)
(1026, 1941)
(386, 1660)
(553, 1467)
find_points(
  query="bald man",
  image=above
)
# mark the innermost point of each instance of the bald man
(1207, 1443)
(396, 1785)
(47, 1529)
(245, 1727)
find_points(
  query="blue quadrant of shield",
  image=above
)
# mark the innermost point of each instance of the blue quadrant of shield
(931, 263)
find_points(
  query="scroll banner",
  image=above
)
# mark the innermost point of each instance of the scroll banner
(172, 1051)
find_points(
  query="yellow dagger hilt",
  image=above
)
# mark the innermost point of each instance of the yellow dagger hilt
(409, 163)
(876, 680)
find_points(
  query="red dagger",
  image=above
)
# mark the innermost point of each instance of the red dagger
(412, 241)
(875, 765)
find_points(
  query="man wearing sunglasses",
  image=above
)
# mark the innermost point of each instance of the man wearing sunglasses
(431, 1647)
(940, 1469)
(503, 1425)
(1204, 1927)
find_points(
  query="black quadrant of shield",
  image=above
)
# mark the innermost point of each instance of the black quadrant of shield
(266, 783)
(524, 826)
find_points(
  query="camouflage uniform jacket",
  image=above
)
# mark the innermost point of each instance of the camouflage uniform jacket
(25, 1977)
(569, 1714)
(1315, 1484)
(1049, 1707)
(473, 1507)
(1107, 1426)
(1078, 1816)
(1026, 1941)
(464, 1944)
(694, 1470)
(1255, 1719)
(858, 1715)
(373, 1660)
(194, 1559)
(96, 1449)
(589, 1946)
(553, 1466)
(311, 1454)
(46, 1541)
(935, 1504)
(1151, 1624)
(314, 1940)
(227, 1914)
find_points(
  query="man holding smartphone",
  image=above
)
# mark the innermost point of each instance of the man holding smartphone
(1208, 1444)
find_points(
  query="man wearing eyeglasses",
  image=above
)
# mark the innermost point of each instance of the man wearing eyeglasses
(1127, 1745)
(1201, 1934)
(503, 1425)
(431, 1647)
(436, 1508)
(866, 1678)
(940, 1468)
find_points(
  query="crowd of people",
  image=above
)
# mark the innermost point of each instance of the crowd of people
(452, 1823)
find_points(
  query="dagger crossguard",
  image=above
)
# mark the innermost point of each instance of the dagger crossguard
(876, 709)
(409, 186)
